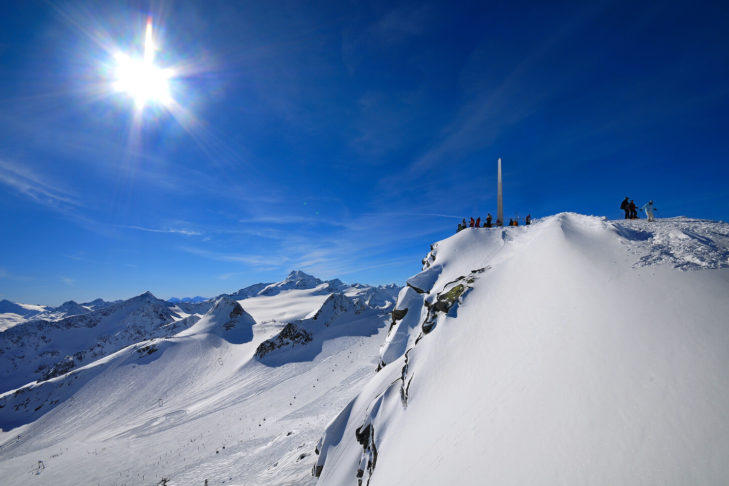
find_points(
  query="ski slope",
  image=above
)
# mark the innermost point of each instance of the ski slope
(576, 351)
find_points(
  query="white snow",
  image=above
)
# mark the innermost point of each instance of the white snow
(10, 319)
(287, 305)
(583, 354)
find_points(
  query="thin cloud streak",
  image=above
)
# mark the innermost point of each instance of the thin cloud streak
(31, 185)
(178, 231)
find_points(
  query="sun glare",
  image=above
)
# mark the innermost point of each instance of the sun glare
(141, 79)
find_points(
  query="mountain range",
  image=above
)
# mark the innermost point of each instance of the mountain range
(575, 350)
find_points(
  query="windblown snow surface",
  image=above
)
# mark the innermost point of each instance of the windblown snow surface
(573, 351)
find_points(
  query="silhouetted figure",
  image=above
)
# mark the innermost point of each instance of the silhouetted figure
(511, 222)
(478, 222)
(499, 222)
(472, 223)
(488, 221)
(625, 207)
(633, 210)
(460, 227)
(528, 219)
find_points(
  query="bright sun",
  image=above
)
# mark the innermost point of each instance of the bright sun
(141, 79)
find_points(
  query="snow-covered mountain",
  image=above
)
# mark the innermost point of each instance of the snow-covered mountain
(12, 314)
(67, 309)
(39, 349)
(381, 296)
(7, 307)
(187, 380)
(576, 350)
(572, 351)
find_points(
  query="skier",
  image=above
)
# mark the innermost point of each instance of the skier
(478, 222)
(528, 219)
(488, 221)
(624, 206)
(460, 227)
(472, 223)
(633, 210)
(648, 208)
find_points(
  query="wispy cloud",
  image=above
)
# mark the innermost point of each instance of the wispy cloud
(26, 182)
(178, 231)
(68, 281)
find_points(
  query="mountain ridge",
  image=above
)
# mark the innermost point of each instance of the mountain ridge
(557, 350)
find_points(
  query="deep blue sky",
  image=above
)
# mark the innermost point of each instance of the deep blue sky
(340, 138)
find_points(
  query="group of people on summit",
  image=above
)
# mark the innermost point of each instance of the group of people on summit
(631, 210)
(628, 205)
(488, 222)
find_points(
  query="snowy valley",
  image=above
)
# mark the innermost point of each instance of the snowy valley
(576, 350)
(143, 390)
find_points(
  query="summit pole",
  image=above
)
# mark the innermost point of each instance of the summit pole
(500, 201)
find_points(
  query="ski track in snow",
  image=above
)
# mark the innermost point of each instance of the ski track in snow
(688, 244)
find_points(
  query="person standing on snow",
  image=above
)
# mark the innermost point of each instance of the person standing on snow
(528, 219)
(471, 223)
(488, 221)
(633, 210)
(624, 206)
(648, 208)
(478, 222)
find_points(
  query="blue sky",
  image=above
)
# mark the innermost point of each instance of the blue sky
(340, 138)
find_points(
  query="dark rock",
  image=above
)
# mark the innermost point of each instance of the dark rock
(289, 335)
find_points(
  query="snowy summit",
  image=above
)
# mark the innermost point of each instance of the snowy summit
(572, 351)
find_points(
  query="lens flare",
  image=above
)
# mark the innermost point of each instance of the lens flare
(141, 79)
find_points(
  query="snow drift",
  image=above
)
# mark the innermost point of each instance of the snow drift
(572, 351)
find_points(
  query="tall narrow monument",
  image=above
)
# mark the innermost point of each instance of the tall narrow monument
(500, 199)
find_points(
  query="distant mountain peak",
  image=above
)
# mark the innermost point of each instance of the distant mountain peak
(295, 280)
(299, 275)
